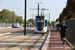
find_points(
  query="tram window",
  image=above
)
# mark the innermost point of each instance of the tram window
(35, 22)
(39, 20)
(40, 24)
(45, 22)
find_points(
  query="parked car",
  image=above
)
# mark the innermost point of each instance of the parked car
(27, 25)
(12, 26)
(16, 25)
(30, 25)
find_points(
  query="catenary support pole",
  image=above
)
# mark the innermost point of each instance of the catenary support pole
(49, 19)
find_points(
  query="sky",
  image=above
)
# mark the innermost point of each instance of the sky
(13, 5)
(55, 7)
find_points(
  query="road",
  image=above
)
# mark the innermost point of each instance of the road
(12, 30)
(15, 30)
(17, 41)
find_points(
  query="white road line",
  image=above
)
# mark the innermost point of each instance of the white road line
(5, 33)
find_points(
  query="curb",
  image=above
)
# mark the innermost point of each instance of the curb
(70, 44)
(46, 42)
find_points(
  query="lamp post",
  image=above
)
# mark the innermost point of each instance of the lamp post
(43, 10)
(49, 19)
(25, 20)
(38, 6)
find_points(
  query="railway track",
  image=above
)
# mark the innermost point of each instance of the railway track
(8, 37)
(27, 43)
(31, 44)
(20, 42)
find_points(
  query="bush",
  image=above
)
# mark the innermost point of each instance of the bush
(74, 46)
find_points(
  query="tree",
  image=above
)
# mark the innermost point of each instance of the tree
(0, 14)
(27, 22)
(49, 24)
(68, 12)
(53, 22)
(11, 16)
(6, 14)
(30, 20)
(57, 20)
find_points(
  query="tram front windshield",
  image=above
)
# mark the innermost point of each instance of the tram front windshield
(40, 21)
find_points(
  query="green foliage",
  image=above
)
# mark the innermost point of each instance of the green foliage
(52, 22)
(2, 21)
(57, 19)
(30, 20)
(68, 12)
(49, 24)
(27, 22)
(74, 46)
(11, 16)
(64, 19)
(0, 14)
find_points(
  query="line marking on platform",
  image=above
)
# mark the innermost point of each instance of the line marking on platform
(57, 47)
(62, 47)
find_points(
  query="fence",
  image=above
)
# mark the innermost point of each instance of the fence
(3, 25)
(70, 35)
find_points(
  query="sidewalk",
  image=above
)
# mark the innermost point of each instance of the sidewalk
(55, 41)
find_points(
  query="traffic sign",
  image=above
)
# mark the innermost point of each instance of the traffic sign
(6, 20)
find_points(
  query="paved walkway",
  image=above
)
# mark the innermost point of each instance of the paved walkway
(55, 41)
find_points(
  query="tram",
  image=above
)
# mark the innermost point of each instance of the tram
(40, 24)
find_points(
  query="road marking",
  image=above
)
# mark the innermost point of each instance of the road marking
(5, 33)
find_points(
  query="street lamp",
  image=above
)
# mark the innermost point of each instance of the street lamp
(43, 10)
(25, 20)
(38, 6)
(49, 19)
